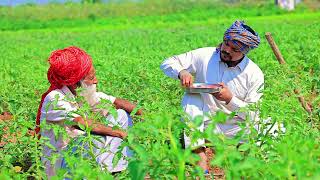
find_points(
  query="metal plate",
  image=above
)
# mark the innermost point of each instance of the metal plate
(204, 88)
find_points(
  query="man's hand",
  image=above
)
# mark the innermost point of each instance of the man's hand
(224, 95)
(122, 134)
(186, 78)
(139, 112)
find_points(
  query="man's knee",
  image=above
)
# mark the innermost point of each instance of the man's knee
(122, 113)
(124, 118)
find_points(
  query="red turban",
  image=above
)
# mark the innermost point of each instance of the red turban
(67, 67)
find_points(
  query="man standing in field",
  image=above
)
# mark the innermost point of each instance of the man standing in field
(227, 65)
(72, 68)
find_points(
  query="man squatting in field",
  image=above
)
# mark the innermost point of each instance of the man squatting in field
(228, 65)
(71, 68)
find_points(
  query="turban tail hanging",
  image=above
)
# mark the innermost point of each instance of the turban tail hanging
(67, 67)
(242, 36)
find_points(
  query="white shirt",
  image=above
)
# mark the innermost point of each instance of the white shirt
(244, 81)
(59, 106)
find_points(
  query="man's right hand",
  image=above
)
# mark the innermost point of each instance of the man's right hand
(186, 78)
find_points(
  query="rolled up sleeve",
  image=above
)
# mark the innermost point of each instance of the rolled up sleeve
(104, 96)
(173, 65)
(254, 95)
(236, 104)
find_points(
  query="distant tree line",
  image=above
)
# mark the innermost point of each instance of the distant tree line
(91, 1)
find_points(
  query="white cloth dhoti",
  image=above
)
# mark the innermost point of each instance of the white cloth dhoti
(106, 147)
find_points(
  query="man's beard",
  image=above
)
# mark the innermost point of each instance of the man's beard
(229, 61)
(89, 93)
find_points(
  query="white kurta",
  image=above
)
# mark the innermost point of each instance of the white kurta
(244, 81)
(59, 106)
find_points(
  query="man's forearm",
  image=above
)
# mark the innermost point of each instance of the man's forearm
(107, 131)
(100, 129)
(126, 105)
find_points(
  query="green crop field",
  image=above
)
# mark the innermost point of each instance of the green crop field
(127, 49)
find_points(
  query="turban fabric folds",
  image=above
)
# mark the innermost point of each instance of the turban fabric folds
(242, 36)
(67, 67)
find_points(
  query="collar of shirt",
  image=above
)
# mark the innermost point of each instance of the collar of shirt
(241, 65)
(71, 98)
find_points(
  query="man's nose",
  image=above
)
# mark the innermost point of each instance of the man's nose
(227, 50)
(95, 81)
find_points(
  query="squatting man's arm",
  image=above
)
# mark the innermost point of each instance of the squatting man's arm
(101, 129)
(126, 105)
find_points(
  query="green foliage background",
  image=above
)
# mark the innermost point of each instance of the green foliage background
(127, 42)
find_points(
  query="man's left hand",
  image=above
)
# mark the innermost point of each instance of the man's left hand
(224, 94)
